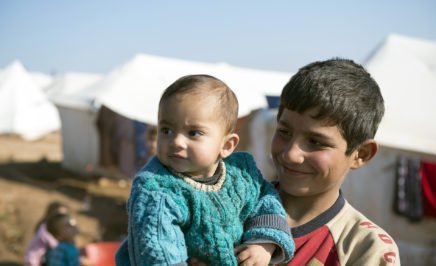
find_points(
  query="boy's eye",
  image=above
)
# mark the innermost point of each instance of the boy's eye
(284, 132)
(317, 143)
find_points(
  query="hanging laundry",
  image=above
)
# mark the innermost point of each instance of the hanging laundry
(428, 182)
(408, 194)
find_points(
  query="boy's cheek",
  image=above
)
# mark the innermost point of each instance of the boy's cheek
(276, 143)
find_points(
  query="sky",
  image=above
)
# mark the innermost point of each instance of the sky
(97, 36)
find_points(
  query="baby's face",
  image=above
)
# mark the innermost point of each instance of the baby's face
(190, 134)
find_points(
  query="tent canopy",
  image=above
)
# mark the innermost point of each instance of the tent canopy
(42, 80)
(134, 89)
(66, 89)
(405, 69)
(24, 108)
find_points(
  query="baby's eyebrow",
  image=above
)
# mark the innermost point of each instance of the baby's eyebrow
(197, 127)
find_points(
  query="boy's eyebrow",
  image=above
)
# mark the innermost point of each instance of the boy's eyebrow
(319, 135)
(309, 133)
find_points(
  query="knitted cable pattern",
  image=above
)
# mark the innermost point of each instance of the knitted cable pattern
(171, 219)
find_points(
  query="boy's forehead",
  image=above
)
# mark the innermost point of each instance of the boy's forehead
(307, 122)
(312, 114)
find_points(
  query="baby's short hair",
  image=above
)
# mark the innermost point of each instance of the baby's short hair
(227, 103)
(342, 93)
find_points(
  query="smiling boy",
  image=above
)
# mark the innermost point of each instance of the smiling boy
(327, 119)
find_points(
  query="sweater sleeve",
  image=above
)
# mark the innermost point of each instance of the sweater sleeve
(267, 220)
(155, 236)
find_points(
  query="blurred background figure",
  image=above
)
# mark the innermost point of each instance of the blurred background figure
(106, 127)
(146, 146)
(151, 141)
(64, 229)
(43, 239)
(140, 146)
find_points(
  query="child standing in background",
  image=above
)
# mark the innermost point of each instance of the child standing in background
(197, 198)
(43, 240)
(64, 229)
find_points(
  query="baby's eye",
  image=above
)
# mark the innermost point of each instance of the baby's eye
(195, 133)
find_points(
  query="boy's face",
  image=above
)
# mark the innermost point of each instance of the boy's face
(190, 134)
(309, 155)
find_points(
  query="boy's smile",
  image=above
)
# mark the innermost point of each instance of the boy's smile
(309, 155)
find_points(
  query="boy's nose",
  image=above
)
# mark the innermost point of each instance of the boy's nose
(293, 153)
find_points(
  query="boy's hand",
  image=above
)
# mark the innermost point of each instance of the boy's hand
(255, 254)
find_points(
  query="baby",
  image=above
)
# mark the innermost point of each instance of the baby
(198, 199)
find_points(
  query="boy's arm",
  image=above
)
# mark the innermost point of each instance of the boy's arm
(154, 236)
(267, 222)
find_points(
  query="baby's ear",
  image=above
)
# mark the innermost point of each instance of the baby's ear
(364, 153)
(230, 142)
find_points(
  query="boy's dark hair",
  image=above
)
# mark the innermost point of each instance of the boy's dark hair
(52, 223)
(227, 103)
(342, 92)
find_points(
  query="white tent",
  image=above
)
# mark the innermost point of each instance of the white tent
(134, 89)
(405, 69)
(42, 80)
(66, 87)
(69, 92)
(24, 108)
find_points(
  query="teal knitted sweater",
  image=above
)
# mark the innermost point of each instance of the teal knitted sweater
(173, 218)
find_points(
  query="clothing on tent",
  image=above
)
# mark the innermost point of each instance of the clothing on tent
(140, 146)
(117, 137)
(106, 127)
(125, 145)
(408, 194)
(415, 195)
(428, 181)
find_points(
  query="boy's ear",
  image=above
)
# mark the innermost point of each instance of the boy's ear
(364, 153)
(229, 145)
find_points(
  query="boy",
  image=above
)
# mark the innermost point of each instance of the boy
(64, 229)
(327, 119)
(196, 198)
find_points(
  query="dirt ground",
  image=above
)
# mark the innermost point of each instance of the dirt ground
(31, 176)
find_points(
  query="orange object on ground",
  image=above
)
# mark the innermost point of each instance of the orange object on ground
(101, 253)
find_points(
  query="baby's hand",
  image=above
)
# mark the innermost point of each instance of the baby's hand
(258, 254)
